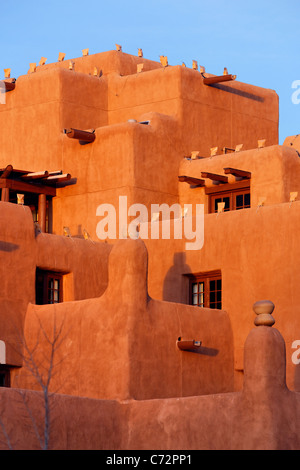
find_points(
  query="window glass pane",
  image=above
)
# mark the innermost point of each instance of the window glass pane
(56, 296)
(227, 203)
(239, 201)
(247, 200)
(56, 283)
(2, 379)
(198, 294)
(217, 202)
(212, 285)
(50, 296)
(219, 284)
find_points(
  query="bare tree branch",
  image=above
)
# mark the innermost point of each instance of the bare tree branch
(40, 364)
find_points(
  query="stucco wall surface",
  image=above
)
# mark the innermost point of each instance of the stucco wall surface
(117, 346)
(22, 250)
(256, 250)
(263, 416)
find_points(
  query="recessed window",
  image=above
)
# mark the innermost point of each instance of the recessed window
(49, 287)
(215, 200)
(4, 376)
(242, 200)
(234, 200)
(234, 197)
(206, 289)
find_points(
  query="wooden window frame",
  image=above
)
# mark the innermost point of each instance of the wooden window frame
(205, 278)
(231, 191)
(43, 298)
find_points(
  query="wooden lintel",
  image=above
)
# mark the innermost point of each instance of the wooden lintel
(238, 173)
(218, 79)
(27, 187)
(214, 177)
(244, 184)
(191, 180)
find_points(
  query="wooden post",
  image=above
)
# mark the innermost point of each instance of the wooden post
(5, 195)
(42, 211)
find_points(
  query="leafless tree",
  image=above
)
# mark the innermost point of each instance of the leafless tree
(6, 436)
(43, 371)
(39, 361)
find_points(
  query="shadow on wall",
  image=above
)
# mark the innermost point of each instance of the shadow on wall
(175, 284)
(235, 91)
(8, 247)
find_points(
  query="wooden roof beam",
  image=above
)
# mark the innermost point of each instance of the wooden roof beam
(57, 178)
(10, 84)
(53, 173)
(214, 177)
(84, 137)
(191, 180)
(239, 173)
(7, 171)
(188, 345)
(36, 175)
(218, 79)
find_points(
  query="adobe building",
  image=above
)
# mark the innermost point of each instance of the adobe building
(147, 344)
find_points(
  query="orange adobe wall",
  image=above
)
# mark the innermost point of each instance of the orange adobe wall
(115, 346)
(22, 252)
(263, 416)
(174, 99)
(255, 248)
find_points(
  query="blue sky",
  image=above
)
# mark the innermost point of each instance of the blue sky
(256, 40)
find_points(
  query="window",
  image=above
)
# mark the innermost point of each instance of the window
(206, 290)
(242, 200)
(49, 287)
(4, 376)
(234, 196)
(215, 200)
